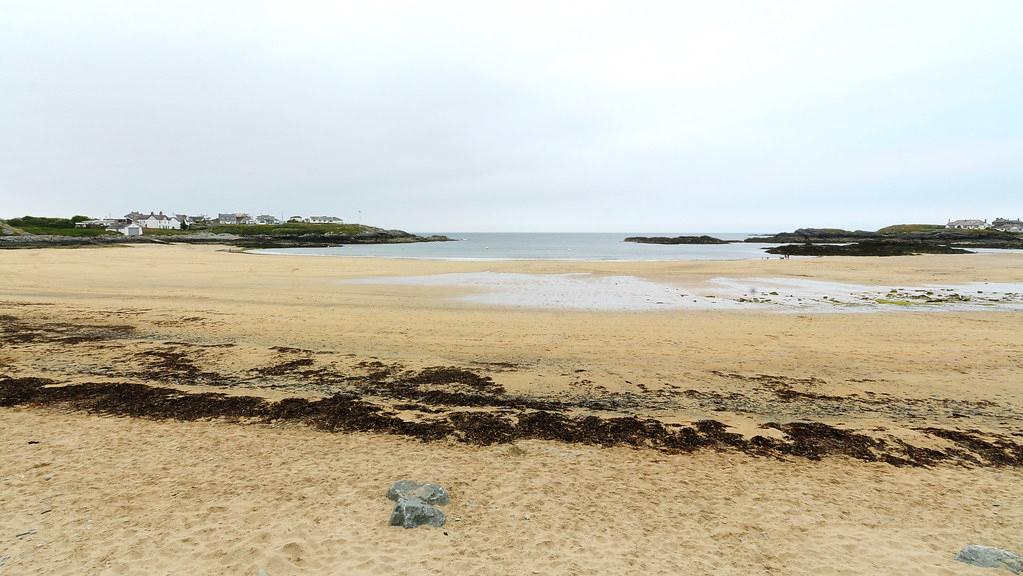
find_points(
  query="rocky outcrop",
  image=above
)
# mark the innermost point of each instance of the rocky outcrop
(676, 240)
(941, 237)
(867, 248)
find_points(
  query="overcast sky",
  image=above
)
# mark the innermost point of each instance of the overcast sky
(516, 116)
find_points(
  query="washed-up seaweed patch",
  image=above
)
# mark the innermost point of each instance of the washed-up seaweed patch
(350, 413)
(14, 331)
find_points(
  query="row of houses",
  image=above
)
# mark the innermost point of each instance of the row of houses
(1003, 224)
(242, 218)
(133, 223)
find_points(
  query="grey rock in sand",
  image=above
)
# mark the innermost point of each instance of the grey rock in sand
(432, 494)
(411, 512)
(429, 493)
(987, 557)
(401, 489)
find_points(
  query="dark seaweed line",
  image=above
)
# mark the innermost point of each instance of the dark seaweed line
(349, 413)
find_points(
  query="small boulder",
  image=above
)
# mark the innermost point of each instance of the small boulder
(411, 512)
(432, 494)
(401, 489)
(987, 557)
(429, 493)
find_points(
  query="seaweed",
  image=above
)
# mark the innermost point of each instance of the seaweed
(512, 420)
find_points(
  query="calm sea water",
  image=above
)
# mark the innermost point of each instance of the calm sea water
(495, 246)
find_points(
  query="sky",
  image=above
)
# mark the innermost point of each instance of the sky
(678, 116)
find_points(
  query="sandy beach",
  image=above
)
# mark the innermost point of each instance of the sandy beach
(921, 411)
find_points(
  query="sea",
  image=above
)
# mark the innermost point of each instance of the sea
(548, 246)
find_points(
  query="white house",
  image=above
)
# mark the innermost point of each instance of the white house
(188, 220)
(158, 221)
(267, 219)
(967, 224)
(129, 229)
(324, 220)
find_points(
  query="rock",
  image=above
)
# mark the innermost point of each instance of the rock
(429, 493)
(432, 494)
(411, 512)
(401, 488)
(987, 557)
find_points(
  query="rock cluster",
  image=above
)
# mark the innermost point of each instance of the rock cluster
(415, 504)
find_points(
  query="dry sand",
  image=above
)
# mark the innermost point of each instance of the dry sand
(135, 496)
(128, 496)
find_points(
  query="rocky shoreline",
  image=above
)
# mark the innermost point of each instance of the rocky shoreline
(369, 235)
(867, 248)
(952, 238)
(901, 240)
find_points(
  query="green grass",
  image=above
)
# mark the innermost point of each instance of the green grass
(289, 229)
(54, 226)
(909, 228)
(64, 231)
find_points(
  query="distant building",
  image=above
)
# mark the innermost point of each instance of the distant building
(235, 218)
(968, 224)
(296, 219)
(267, 219)
(185, 219)
(160, 221)
(126, 228)
(106, 223)
(324, 220)
(1006, 225)
(153, 220)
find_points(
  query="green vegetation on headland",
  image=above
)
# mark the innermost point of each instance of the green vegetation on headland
(37, 232)
(676, 240)
(910, 228)
(51, 227)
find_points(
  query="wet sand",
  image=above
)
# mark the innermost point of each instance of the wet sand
(268, 495)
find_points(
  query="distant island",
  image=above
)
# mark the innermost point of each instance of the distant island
(677, 240)
(78, 231)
